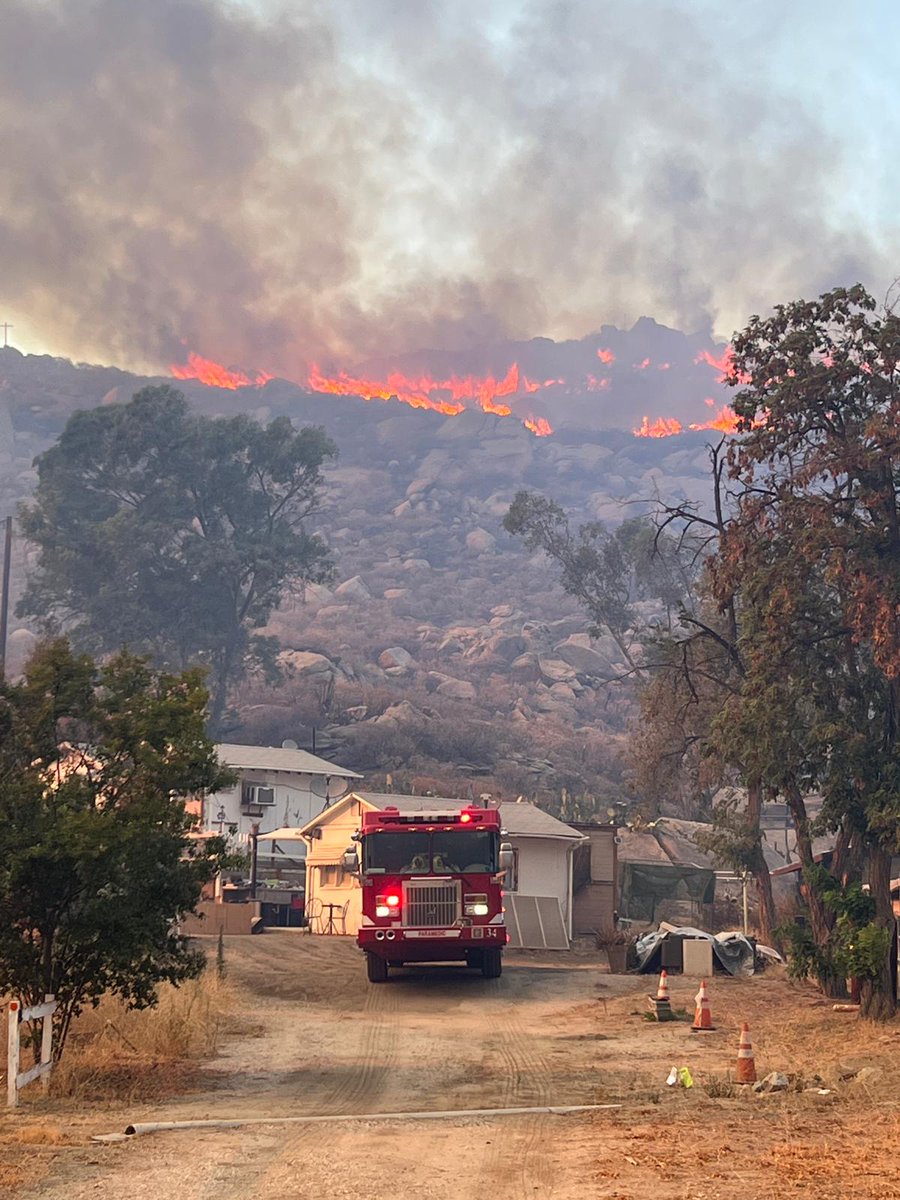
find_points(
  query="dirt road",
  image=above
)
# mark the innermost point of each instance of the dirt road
(318, 1039)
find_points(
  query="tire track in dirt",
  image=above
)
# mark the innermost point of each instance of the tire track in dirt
(270, 1160)
(522, 1154)
(376, 1055)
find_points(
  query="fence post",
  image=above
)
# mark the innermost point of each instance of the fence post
(47, 1044)
(12, 1057)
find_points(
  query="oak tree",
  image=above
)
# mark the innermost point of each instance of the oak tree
(96, 862)
(174, 533)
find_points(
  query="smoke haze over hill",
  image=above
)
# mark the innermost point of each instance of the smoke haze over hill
(269, 184)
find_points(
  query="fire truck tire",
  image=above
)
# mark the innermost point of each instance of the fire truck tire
(376, 968)
(491, 964)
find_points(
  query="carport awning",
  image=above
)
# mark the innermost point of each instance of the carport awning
(286, 834)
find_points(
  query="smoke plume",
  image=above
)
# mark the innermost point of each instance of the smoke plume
(270, 184)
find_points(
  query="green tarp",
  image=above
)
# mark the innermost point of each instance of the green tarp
(643, 884)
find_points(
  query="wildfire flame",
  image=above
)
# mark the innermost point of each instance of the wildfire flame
(539, 426)
(724, 365)
(448, 396)
(454, 394)
(725, 421)
(660, 428)
(213, 374)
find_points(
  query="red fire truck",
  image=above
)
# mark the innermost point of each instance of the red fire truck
(431, 888)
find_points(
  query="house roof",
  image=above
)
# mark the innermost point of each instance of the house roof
(279, 758)
(519, 819)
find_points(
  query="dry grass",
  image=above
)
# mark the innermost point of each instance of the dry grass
(27, 1151)
(114, 1054)
(113, 1057)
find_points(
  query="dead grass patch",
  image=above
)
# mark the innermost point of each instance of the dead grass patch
(114, 1054)
(27, 1151)
(727, 1151)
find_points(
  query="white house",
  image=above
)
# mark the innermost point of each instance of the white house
(277, 786)
(538, 889)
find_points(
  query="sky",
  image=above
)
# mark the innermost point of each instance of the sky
(270, 184)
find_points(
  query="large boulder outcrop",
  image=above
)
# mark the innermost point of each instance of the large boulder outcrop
(456, 689)
(402, 713)
(395, 657)
(555, 670)
(581, 656)
(353, 589)
(479, 541)
(306, 662)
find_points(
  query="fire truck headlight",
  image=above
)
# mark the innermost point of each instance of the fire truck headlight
(387, 906)
(476, 906)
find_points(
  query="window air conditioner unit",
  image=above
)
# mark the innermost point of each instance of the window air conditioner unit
(258, 796)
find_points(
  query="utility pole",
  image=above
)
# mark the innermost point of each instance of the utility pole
(6, 327)
(4, 596)
(254, 840)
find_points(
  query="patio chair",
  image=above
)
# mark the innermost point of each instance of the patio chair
(313, 914)
(342, 917)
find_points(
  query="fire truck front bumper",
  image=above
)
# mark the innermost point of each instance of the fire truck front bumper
(430, 945)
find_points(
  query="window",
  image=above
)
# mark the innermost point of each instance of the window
(404, 853)
(258, 794)
(417, 852)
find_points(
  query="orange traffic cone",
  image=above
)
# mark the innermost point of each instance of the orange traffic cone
(746, 1064)
(662, 989)
(659, 1004)
(702, 1013)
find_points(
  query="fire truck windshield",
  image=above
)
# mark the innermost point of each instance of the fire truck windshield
(420, 853)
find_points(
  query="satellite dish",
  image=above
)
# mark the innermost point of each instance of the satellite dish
(289, 744)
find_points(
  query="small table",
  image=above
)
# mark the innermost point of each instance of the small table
(328, 923)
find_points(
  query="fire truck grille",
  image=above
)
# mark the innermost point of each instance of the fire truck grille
(431, 904)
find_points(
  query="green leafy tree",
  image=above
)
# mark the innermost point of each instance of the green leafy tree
(815, 546)
(606, 571)
(174, 534)
(95, 862)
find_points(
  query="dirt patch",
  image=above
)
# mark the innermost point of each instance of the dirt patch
(315, 1038)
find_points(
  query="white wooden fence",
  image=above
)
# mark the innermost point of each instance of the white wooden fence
(16, 1079)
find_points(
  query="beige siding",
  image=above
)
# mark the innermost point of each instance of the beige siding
(603, 856)
(326, 879)
(593, 907)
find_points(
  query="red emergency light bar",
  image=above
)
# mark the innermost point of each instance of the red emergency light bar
(481, 817)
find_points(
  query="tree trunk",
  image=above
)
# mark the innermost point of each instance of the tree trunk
(766, 918)
(877, 997)
(218, 687)
(760, 868)
(820, 919)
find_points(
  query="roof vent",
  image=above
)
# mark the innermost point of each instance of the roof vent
(289, 744)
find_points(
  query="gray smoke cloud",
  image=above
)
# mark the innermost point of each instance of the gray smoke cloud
(268, 184)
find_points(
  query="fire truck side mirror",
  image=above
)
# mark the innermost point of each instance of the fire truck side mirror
(350, 862)
(506, 856)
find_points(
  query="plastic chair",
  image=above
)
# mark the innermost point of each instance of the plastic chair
(313, 914)
(343, 916)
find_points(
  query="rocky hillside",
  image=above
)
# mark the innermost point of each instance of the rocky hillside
(444, 654)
